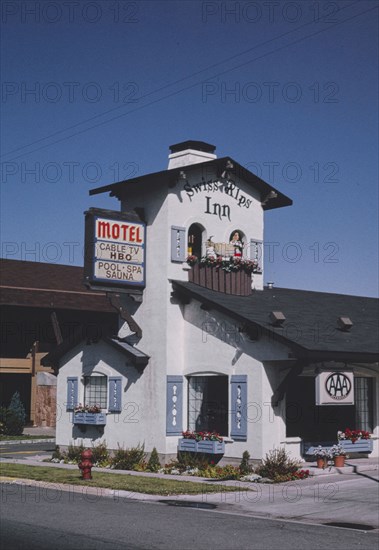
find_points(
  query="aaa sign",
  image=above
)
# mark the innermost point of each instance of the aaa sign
(335, 388)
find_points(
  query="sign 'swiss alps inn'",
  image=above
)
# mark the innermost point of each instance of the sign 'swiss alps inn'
(115, 250)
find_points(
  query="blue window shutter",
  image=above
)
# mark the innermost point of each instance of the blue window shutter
(174, 409)
(114, 389)
(256, 252)
(178, 243)
(72, 393)
(238, 428)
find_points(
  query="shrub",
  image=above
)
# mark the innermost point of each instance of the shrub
(100, 454)
(15, 416)
(277, 464)
(74, 453)
(127, 459)
(223, 472)
(193, 460)
(3, 420)
(245, 467)
(57, 455)
(154, 464)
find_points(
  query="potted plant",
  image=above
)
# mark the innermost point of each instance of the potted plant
(322, 456)
(338, 453)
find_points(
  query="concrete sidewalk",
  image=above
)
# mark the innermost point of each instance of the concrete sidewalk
(47, 436)
(39, 431)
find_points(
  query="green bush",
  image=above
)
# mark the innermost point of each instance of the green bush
(221, 472)
(73, 453)
(100, 454)
(127, 459)
(3, 420)
(277, 464)
(245, 467)
(154, 464)
(15, 416)
(193, 460)
(57, 455)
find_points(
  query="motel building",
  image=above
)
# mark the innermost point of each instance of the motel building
(204, 343)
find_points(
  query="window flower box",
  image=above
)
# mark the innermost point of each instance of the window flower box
(355, 441)
(360, 446)
(193, 446)
(93, 419)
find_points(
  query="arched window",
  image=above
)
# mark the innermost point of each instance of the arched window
(195, 240)
(237, 240)
(95, 390)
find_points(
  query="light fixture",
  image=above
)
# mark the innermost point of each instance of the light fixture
(270, 196)
(180, 178)
(229, 166)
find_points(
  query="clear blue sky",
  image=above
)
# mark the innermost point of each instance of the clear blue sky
(95, 92)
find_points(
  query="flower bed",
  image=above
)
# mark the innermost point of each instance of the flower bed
(197, 465)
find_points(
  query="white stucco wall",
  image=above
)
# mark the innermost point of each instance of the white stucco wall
(134, 425)
(194, 201)
(212, 344)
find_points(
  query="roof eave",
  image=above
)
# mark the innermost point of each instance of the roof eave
(170, 177)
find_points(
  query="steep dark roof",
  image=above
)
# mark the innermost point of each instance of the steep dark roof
(170, 177)
(310, 327)
(136, 356)
(44, 285)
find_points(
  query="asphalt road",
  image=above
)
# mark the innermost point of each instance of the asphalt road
(36, 517)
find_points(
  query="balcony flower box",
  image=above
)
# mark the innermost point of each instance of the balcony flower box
(93, 419)
(236, 282)
(193, 446)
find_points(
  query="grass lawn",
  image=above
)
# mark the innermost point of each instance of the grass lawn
(24, 437)
(122, 482)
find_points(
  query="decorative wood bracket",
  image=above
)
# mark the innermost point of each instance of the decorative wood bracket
(115, 302)
(56, 327)
(281, 389)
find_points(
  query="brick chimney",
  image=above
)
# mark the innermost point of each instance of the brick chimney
(190, 152)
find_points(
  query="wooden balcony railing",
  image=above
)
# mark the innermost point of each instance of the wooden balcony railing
(216, 278)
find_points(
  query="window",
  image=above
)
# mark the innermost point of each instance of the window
(95, 391)
(195, 240)
(236, 238)
(363, 403)
(208, 404)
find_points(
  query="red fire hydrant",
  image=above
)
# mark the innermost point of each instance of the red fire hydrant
(86, 464)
